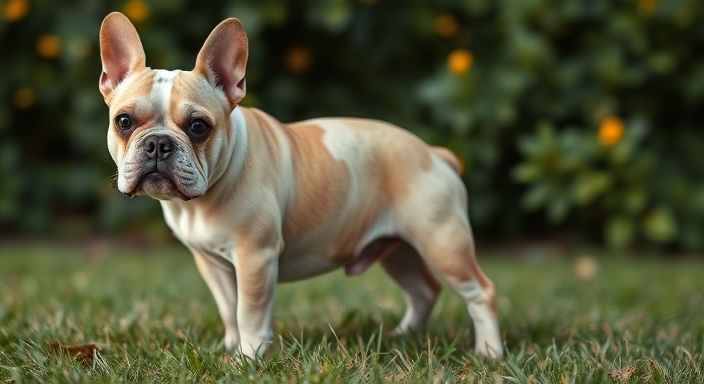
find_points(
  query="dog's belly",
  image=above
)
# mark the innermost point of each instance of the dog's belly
(303, 267)
(298, 267)
(300, 260)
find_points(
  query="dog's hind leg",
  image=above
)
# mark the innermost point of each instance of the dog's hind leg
(449, 250)
(419, 286)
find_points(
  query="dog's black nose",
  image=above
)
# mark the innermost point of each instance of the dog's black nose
(158, 147)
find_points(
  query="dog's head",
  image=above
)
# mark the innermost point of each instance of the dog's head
(170, 131)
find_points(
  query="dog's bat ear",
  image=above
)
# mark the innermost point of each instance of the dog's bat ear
(223, 59)
(120, 51)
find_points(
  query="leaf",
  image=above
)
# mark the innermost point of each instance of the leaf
(660, 225)
(83, 353)
(619, 231)
(531, 146)
(537, 195)
(558, 208)
(634, 200)
(621, 153)
(590, 185)
(697, 200)
(539, 143)
(526, 172)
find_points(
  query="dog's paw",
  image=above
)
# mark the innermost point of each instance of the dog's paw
(255, 348)
(399, 331)
(232, 342)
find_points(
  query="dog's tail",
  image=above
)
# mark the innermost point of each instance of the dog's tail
(450, 158)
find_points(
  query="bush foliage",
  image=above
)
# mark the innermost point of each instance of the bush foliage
(572, 117)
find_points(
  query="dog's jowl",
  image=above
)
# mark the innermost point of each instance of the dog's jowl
(259, 202)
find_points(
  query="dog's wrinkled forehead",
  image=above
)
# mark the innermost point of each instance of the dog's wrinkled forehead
(148, 94)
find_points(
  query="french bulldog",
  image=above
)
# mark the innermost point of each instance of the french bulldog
(259, 202)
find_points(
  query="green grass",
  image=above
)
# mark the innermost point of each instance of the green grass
(156, 321)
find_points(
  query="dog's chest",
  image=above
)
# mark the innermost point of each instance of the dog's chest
(199, 233)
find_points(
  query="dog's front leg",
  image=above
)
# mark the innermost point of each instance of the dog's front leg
(219, 276)
(257, 273)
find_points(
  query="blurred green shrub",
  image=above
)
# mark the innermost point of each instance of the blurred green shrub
(586, 111)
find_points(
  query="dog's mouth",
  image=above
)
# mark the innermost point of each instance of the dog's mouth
(160, 186)
(167, 178)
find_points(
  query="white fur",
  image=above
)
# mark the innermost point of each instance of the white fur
(485, 325)
(163, 83)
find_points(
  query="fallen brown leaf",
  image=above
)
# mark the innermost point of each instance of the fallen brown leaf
(83, 353)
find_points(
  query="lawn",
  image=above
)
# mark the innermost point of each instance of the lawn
(637, 320)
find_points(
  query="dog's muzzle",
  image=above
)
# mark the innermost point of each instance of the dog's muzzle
(158, 174)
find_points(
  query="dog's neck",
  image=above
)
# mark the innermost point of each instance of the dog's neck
(235, 153)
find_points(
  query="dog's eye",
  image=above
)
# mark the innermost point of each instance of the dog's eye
(198, 128)
(124, 122)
